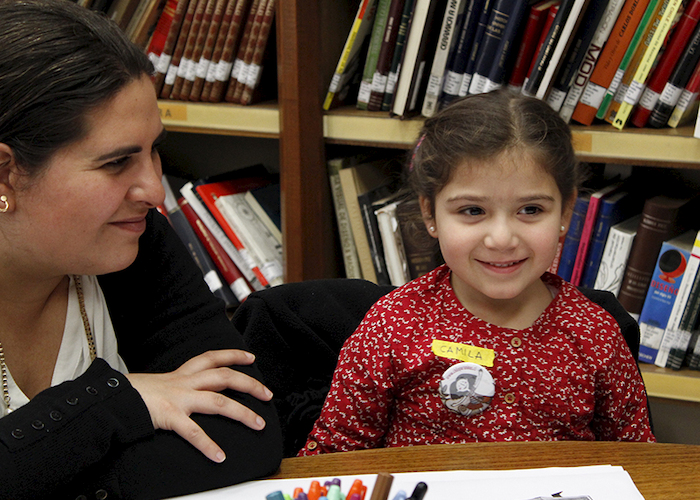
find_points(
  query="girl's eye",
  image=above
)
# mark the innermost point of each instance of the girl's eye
(531, 210)
(472, 211)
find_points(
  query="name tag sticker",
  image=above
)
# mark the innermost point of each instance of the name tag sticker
(463, 352)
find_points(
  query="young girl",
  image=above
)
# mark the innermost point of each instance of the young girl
(488, 346)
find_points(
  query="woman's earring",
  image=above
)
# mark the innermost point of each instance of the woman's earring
(6, 204)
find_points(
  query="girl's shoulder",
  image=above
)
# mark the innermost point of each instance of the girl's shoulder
(426, 288)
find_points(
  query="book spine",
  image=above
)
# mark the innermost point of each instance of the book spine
(172, 54)
(401, 35)
(360, 28)
(256, 65)
(553, 10)
(604, 71)
(374, 239)
(160, 33)
(386, 54)
(531, 32)
(614, 260)
(682, 33)
(217, 81)
(392, 243)
(347, 242)
(499, 17)
(455, 70)
(686, 100)
(689, 329)
(585, 238)
(573, 238)
(579, 47)
(223, 12)
(237, 82)
(475, 48)
(631, 60)
(640, 77)
(437, 70)
(202, 54)
(679, 78)
(235, 280)
(372, 56)
(202, 17)
(612, 12)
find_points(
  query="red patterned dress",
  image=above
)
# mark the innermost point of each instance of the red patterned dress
(568, 376)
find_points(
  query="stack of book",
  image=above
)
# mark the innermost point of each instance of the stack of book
(231, 225)
(620, 61)
(203, 50)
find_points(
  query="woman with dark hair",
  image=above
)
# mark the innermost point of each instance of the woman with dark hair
(121, 374)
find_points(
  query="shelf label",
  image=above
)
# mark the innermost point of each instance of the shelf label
(169, 111)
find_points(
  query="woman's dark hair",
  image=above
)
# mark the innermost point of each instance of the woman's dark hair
(58, 61)
(481, 127)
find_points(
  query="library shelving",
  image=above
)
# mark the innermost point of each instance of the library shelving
(310, 36)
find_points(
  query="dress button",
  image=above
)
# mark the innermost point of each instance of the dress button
(510, 398)
(18, 434)
(91, 390)
(312, 445)
(113, 382)
(101, 494)
(38, 425)
(516, 342)
(72, 401)
(55, 416)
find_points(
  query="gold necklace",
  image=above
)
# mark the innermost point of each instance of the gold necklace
(88, 333)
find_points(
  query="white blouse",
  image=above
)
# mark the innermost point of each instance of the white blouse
(74, 355)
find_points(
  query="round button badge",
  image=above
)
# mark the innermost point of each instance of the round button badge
(467, 389)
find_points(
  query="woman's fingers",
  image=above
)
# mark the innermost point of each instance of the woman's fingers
(215, 359)
(218, 379)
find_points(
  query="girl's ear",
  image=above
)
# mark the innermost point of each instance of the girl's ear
(426, 209)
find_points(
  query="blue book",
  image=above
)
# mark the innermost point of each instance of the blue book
(613, 209)
(573, 237)
(663, 290)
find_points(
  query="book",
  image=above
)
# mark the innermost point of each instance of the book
(256, 237)
(614, 208)
(355, 180)
(401, 35)
(420, 259)
(589, 222)
(609, 60)
(679, 39)
(244, 59)
(454, 72)
(240, 260)
(375, 44)
(121, 11)
(674, 86)
(615, 255)
(475, 48)
(549, 21)
(631, 60)
(636, 87)
(209, 192)
(160, 33)
(676, 335)
(663, 218)
(549, 57)
(144, 21)
(590, 58)
(249, 93)
(347, 240)
(266, 202)
(580, 44)
(224, 55)
(669, 269)
(686, 106)
(369, 203)
(386, 55)
(573, 236)
(350, 57)
(228, 270)
(194, 44)
(454, 10)
(169, 61)
(532, 31)
(223, 13)
(194, 245)
(421, 42)
(505, 51)
(392, 242)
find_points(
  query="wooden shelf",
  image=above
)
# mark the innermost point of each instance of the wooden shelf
(260, 120)
(669, 147)
(683, 385)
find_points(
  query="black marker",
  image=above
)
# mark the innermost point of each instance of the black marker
(419, 491)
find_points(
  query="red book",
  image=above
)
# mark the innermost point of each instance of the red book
(552, 14)
(210, 192)
(531, 38)
(161, 31)
(655, 85)
(235, 280)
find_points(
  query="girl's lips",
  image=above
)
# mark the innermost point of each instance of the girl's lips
(503, 267)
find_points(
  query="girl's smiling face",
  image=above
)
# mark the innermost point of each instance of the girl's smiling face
(85, 212)
(498, 222)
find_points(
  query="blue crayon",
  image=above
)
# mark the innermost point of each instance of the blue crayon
(400, 495)
(275, 495)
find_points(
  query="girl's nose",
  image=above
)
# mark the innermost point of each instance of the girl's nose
(500, 236)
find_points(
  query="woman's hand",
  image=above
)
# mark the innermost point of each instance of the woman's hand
(194, 388)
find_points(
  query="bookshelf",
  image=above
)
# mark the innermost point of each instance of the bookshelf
(310, 36)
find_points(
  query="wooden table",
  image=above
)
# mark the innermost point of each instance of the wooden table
(660, 471)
